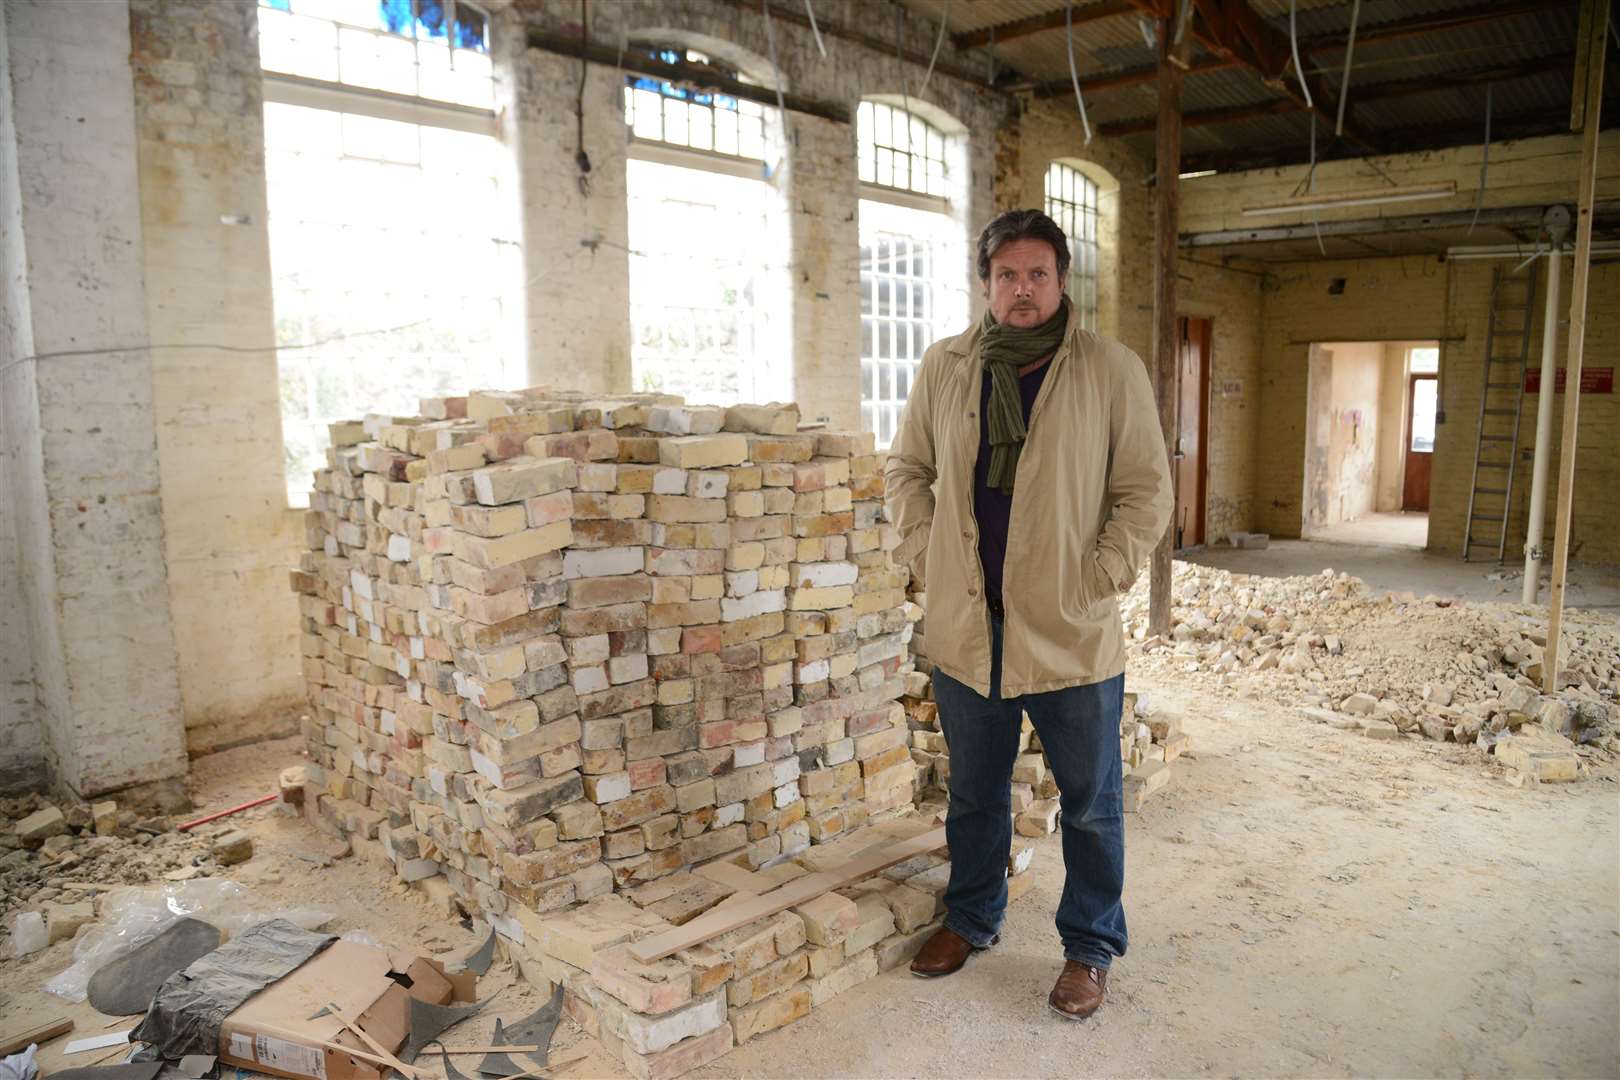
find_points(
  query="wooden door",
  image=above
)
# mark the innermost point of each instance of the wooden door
(1420, 409)
(1192, 442)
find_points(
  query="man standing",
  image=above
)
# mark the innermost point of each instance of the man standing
(1029, 482)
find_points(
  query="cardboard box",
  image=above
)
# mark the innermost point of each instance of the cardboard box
(273, 1033)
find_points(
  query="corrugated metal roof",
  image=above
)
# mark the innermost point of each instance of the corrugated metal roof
(1536, 48)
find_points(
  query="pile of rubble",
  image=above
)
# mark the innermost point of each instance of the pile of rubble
(54, 862)
(632, 655)
(1393, 664)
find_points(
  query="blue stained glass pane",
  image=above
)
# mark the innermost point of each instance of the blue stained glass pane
(641, 82)
(471, 30)
(394, 16)
(670, 90)
(279, 5)
(669, 56)
(430, 19)
(725, 101)
(703, 99)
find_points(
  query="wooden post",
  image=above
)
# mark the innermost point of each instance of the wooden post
(1166, 356)
(1597, 35)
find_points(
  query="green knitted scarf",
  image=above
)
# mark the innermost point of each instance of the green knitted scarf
(1004, 349)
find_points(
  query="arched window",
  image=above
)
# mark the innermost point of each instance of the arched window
(700, 208)
(392, 215)
(663, 112)
(913, 288)
(1071, 201)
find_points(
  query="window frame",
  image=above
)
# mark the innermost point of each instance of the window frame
(296, 89)
(342, 98)
(1081, 222)
(908, 195)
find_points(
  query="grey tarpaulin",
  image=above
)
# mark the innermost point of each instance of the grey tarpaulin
(190, 1006)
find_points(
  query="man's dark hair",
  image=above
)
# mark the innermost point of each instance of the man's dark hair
(1022, 225)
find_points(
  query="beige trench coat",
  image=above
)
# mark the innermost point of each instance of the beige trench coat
(1091, 499)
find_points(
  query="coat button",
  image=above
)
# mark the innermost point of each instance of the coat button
(973, 592)
(971, 415)
(966, 535)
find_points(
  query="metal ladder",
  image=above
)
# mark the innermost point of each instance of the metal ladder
(1501, 403)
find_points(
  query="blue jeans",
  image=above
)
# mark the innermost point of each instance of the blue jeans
(1079, 730)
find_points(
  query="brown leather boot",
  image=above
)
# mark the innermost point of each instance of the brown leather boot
(943, 954)
(1079, 990)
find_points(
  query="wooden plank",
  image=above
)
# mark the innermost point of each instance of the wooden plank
(719, 921)
(45, 1032)
(1594, 45)
(688, 74)
(97, 1042)
(377, 1048)
(1036, 24)
(1166, 355)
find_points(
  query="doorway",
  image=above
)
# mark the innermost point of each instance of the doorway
(1191, 458)
(1369, 446)
(1422, 396)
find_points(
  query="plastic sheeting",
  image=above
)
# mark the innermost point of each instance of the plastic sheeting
(186, 1015)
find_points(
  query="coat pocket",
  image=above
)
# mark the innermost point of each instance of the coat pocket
(912, 552)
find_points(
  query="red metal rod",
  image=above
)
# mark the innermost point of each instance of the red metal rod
(272, 797)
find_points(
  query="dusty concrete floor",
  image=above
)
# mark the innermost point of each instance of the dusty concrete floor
(1400, 529)
(1302, 901)
(1400, 569)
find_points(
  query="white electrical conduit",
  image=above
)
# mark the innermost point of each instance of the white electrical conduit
(1310, 188)
(1349, 51)
(1542, 455)
(1293, 44)
(1484, 163)
(816, 30)
(1074, 76)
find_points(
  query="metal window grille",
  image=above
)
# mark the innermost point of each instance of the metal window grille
(1071, 201)
(906, 302)
(900, 150)
(432, 49)
(659, 111)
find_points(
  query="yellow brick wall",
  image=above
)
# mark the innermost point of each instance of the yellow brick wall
(1593, 533)
(1406, 299)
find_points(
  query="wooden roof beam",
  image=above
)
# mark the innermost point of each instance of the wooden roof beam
(1231, 28)
(1035, 24)
(1373, 92)
(1431, 24)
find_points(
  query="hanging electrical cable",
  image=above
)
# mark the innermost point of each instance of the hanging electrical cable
(1310, 188)
(990, 59)
(581, 158)
(1293, 44)
(821, 46)
(1183, 17)
(1484, 163)
(776, 69)
(1074, 76)
(1349, 51)
(939, 39)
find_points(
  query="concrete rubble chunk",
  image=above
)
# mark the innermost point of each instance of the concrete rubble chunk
(41, 825)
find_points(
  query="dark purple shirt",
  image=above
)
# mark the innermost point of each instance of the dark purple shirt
(991, 508)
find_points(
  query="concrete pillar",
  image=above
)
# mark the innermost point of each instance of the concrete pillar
(576, 262)
(825, 271)
(199, 116)
(76, 388)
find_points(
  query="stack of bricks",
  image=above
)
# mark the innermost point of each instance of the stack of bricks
(1146, 749)
(669, 1016)
(559, 648)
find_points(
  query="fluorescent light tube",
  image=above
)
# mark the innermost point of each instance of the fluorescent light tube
(1365, 197)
